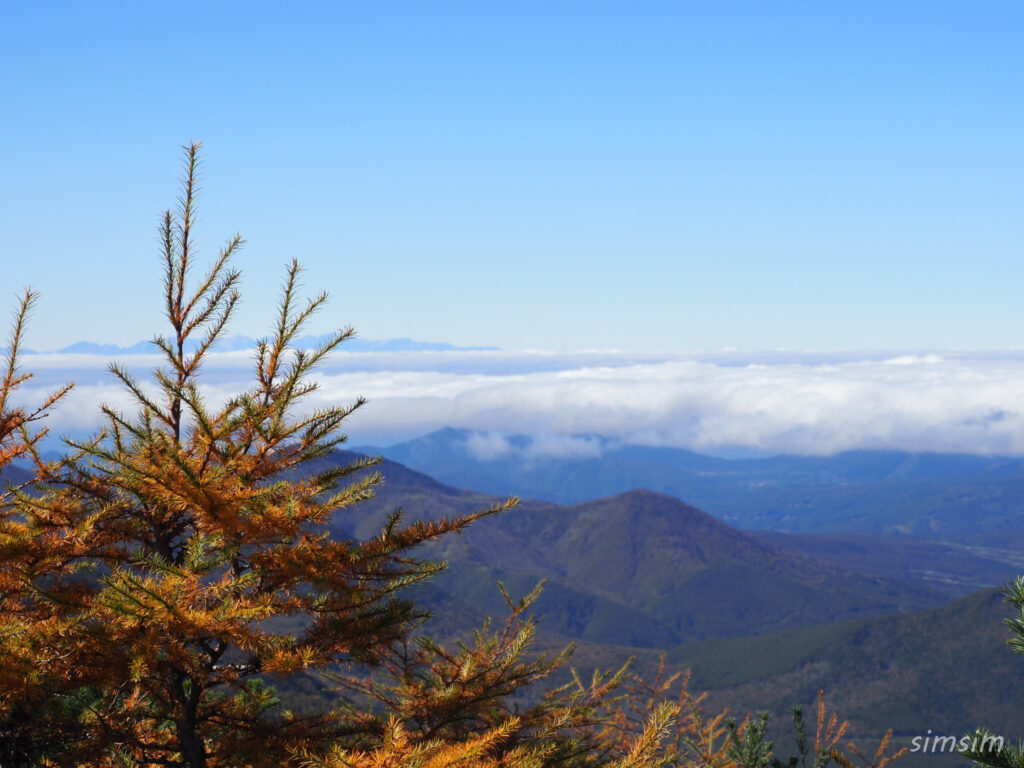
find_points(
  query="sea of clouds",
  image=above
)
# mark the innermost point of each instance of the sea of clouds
(776, 402)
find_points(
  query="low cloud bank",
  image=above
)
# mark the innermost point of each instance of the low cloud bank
(777, 402)
(488, 446)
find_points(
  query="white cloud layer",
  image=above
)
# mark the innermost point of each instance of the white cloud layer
(488, 446)
(777, 402)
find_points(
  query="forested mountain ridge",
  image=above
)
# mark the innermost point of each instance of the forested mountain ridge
(676, 572)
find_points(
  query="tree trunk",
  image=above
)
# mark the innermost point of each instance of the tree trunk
(189, 741)
(191, 745)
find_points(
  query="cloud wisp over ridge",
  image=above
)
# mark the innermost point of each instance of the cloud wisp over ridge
(780, 402)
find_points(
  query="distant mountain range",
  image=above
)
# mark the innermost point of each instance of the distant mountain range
(236, 343)
(877, 492)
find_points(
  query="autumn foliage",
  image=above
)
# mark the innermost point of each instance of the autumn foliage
(160, 577)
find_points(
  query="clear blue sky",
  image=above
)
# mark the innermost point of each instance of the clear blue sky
(646, 176)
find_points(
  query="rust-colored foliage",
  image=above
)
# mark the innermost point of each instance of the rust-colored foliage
(160, 574)
(30, 647)
(456, 708)
(183, 553)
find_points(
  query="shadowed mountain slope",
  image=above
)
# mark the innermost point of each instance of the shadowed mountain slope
(640, 569)
(949, 669)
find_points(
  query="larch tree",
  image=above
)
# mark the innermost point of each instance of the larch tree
(181, 556)
(33, 666)
(158, 578)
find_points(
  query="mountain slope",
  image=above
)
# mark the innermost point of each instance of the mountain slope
(948, 669)
(954, 567)
(640, 569)
(676, 563)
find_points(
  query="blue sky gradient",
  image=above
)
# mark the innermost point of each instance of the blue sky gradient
(643, 176)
